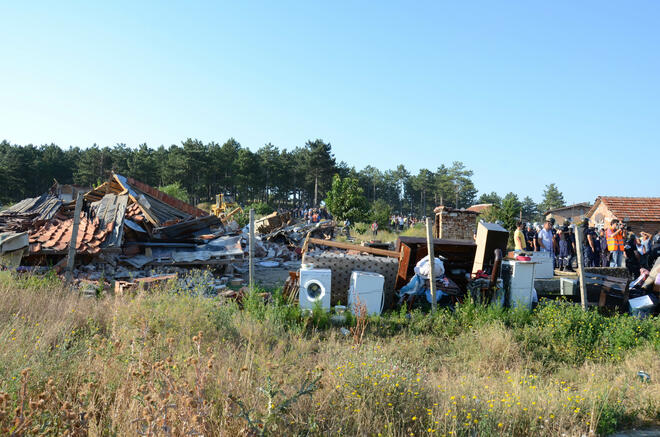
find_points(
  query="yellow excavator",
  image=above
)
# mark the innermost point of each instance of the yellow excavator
(225, 207)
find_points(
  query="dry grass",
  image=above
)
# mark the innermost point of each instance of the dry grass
(173, 364)
(384, 235)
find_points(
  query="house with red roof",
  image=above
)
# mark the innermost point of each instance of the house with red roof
(641, 213)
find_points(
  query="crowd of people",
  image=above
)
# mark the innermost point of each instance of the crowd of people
(613, 246)
(310, 215)
(400, 222)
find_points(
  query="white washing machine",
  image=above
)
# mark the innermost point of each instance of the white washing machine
(315, 285)
(368, 288)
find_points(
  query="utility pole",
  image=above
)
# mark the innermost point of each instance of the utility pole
(316, 190)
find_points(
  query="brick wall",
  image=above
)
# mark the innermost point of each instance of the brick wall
(454, 224)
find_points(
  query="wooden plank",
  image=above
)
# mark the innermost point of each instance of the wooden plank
(578, 249)
(348, 246)
(305, 244)
(404, 263)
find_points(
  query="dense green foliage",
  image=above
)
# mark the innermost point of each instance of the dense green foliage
(380, 213)
(552, 198)
(278, 177)
(346, 200)
(510, 209)
(175, 190)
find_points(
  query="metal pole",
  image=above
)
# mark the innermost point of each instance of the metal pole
(429, 242)
(251, 250)
(74, 238)
(578, 249)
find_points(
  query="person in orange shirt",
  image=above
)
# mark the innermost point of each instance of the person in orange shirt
(615, 244)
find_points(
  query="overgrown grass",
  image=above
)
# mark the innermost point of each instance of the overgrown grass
(362, 232)
(170, 362)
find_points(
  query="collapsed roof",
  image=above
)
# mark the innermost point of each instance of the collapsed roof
(155, 206)
(119, 215)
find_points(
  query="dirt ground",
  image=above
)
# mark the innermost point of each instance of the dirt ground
(271, 277)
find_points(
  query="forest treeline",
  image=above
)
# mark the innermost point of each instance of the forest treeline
(279, 177)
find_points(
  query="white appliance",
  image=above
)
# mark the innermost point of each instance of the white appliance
(520, 282)
(367, 287)
(544, 265)
(568, 287)
(315, 285)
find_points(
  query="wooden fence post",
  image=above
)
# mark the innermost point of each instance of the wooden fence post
(71, 259)
(578, 249)
(429, 242)
(251, 250)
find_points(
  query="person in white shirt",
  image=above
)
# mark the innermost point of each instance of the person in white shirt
(545, 237)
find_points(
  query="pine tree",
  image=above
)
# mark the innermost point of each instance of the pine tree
(552, 198)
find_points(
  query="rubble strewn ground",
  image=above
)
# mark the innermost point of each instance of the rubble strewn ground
(129, 231)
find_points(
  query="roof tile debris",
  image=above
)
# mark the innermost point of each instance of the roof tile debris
(54, 236)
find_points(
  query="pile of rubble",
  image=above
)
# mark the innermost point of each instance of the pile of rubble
(126, 230)
(131, 233)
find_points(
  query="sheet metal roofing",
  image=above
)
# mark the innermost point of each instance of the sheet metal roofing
(111, 208)
(20, 217)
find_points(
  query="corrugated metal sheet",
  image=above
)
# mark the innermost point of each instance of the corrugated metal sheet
(134, 226)
(164, 198)
(45, 206)
(22, 216)
(222, 247)
(188, 227)
(217, 249)
(11, 241)
(157, 205)
(111, 209)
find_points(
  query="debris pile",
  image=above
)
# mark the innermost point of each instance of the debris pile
(126, 230)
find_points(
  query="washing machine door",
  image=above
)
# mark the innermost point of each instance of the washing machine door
(314, 290)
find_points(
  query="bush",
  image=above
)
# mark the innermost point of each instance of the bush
(260, 208)
(380, 212)
(175, 190)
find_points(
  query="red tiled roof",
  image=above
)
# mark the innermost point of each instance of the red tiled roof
(55, 235)
(634, 209)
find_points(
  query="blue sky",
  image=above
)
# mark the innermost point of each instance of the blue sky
(524, 93)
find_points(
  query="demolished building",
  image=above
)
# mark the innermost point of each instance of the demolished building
(123, 222)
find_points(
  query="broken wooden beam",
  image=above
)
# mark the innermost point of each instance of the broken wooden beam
(349, 246)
